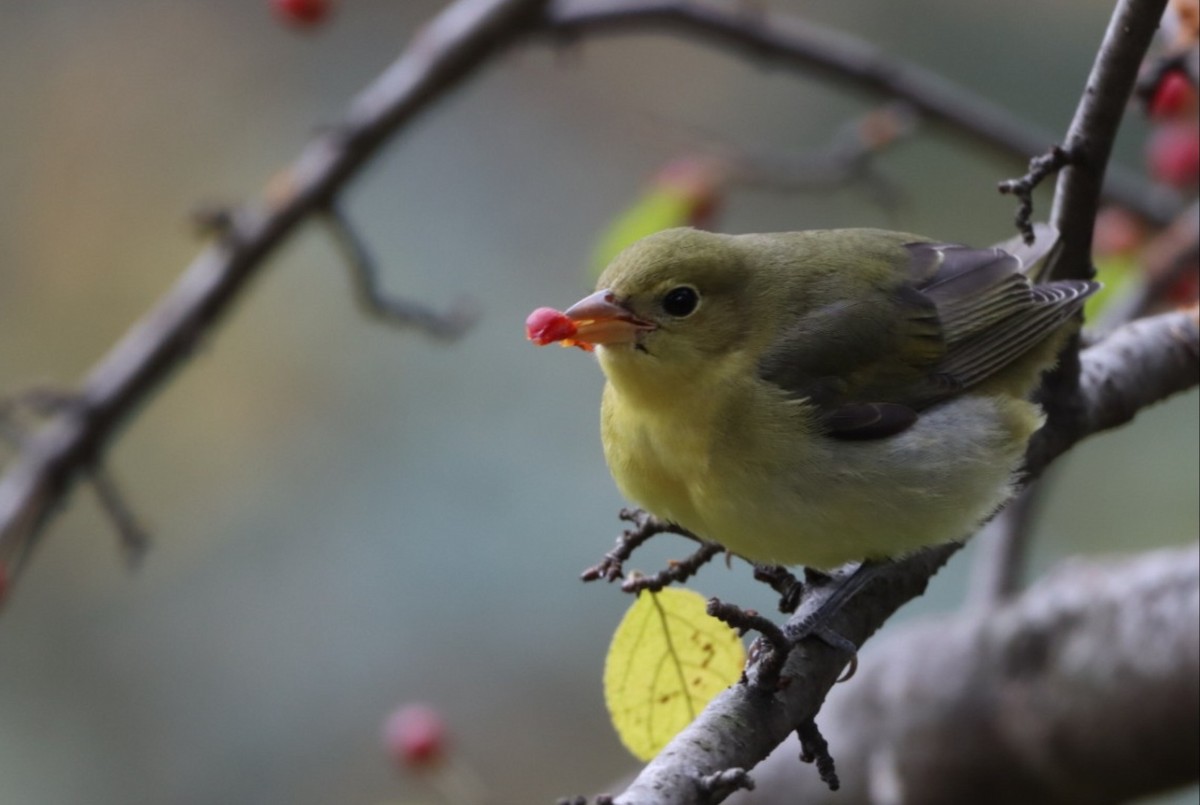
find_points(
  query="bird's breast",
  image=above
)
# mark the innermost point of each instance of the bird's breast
(660, 457)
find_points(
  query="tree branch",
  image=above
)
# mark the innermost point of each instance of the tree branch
(1086, 688)
(1136, 366)
(1093, 130)
(457, 42)
(853, 63)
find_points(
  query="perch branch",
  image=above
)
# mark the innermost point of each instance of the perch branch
(1085, 688)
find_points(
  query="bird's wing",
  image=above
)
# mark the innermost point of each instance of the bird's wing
(867, 380)
(959, 316)
(989, 311)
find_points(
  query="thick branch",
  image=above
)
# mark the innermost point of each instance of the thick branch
(844, 60)
(449, 49)
(1136, 366)
(1084, 689)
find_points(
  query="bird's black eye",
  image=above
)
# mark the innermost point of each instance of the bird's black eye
(681, 301)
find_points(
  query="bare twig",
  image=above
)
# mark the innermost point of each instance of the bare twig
(461, 39)
(45, 401)
(844, 60)
(135, 540)
(747, 620)
(848, 158)
(371, 298)
(676, 572)
(815, 749)
(1040, 167)
(645, 526)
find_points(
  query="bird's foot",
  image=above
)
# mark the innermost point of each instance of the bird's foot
(781, 580)
(824, 596)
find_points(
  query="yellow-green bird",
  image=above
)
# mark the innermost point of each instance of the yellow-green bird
(818, 397)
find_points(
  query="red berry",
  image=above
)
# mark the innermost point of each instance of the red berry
(415, 736)
(302, 13)
(547, 325)
(1172, 96)
(1173, 154)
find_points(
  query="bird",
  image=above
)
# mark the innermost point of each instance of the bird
(819, 397)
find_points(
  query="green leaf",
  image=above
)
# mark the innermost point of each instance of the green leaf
(659, 209)
(1117, 272)
(667, 660)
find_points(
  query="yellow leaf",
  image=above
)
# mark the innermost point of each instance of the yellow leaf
(1117, 272)
(667, 659)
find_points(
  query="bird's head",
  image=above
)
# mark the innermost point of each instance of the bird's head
(667, 308)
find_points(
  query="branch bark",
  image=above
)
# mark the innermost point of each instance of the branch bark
(1086, 688)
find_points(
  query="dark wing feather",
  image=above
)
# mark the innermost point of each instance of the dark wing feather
(869, 420)
(990, 313)
(1047, 308)
(961, 314)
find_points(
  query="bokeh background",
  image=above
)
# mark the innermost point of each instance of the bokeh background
(348, 517)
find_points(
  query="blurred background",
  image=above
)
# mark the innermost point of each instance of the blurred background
(348, 517)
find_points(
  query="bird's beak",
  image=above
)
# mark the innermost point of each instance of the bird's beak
(600, 319)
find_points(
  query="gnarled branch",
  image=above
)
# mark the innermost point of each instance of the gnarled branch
(1085, 688)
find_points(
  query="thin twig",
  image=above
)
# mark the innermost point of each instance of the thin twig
(392, 309)
(134, 538)
(46, 401)
(464, 37)
(1040, 167)
(645, 526)
(815, 749)
(848, 158)
(676, 572)
(747, 620)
